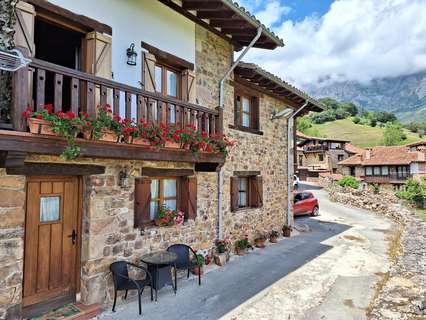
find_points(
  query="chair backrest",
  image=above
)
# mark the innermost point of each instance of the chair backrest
(119, 268)
(183, 251)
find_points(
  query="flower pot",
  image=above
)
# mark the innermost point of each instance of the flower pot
(287, 233)
(259, 243)
(40, 126)
(198, 270)
(240, 252)
(139, 141)
(87, 134)
(108, 135)
(221, 258)
(172, 145)
(273, 239)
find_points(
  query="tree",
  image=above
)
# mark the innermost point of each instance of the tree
(350, 108)
(393, 135)
(303, 124)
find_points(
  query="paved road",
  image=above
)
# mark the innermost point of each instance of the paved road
(328, 271)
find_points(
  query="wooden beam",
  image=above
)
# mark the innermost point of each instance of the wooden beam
(55, 169)
(160, 172)
(204, 5)
(167, 58)
(209, 14)
(246, 173)
(206, 167)
(38, 144)
(80, 20)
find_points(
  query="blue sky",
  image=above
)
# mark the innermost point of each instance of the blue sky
(342, 40)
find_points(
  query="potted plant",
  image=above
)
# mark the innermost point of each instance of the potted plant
(222, 143)
(107, 127)
(287, 229)
(273, 236)
(40, 122)
(259, 241)
(174, 138)
(200, 261)
(167, 217)
(221, 256)
(68, 126)
(242, 245)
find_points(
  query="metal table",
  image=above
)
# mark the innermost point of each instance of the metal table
(160, 266)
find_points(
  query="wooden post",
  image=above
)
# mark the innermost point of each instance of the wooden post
(20, 95)
(219, 122)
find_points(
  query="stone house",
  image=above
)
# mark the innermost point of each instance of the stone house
(317, 156)
(389, 167)
(62, 223)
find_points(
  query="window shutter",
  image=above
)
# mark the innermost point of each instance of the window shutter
(254, 113)
(189, 86)
(189, 197)
(142, 201)
(237, 111)
(148, 71)
(24, 27)
(234, 193)
(256, 192)
(98, 60)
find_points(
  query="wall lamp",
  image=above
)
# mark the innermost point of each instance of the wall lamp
(131, 55)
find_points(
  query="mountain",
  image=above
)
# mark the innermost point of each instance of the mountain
(405, 95)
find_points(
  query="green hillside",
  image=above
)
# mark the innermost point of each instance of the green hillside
(359, 135)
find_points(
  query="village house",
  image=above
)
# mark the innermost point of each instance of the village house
(389, 167)
(63, 222)
(316, 156)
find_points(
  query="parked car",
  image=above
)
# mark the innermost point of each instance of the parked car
(296, 182)
(305, 203)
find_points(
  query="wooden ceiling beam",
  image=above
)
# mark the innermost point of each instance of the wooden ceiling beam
(202, 5)
(202, 14)
(223, 23)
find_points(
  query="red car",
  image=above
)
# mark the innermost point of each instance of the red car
(305, 203)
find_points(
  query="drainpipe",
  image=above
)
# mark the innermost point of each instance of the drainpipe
(220, 172)
(290, 162)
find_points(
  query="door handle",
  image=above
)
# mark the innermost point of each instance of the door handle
(73, 236)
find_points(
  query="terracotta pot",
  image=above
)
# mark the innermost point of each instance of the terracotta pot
(240, 252)
(221, 258)
(259, 243)
(139, 141)
(87, 134)
(287, 233)
(39, 126)
(172, 145)
(198, 270)
(273, 239)
(108, 135)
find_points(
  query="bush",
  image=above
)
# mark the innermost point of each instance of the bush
(414, 191)
(356, 120)
(348, 181)
(393, 135)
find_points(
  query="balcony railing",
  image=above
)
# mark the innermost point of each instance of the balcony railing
(315, 148)
(71, 90)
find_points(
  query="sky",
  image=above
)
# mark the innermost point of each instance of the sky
(342, 40)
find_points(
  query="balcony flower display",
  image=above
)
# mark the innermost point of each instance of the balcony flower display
(40, 122)
(167, 217)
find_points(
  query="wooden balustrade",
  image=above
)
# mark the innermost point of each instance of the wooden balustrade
(71, 90)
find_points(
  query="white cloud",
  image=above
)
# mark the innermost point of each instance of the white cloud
(356, 40)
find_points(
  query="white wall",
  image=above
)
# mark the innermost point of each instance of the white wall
(136, 21)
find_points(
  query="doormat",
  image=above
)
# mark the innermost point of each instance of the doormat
(64, 312)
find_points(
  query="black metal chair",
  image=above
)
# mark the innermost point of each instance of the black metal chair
(184, 261)
(122, 281)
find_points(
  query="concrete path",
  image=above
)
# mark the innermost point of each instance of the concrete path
(327, 273)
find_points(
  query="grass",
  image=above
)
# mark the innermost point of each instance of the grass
(359, 135)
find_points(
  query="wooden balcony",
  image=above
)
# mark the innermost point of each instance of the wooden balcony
(391, 178)
(71, 90)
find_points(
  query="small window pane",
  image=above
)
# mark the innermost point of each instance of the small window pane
(242, 201)
(246, 120)
(377, 171)
(170, 204)
(243, 184)
(238, 101)
(158, 79)
(169, 188)
(171, 83)
(368, 171)
(246, 105)
(154, 210)
(49, 209)
(155, 189)
(385, 170)
(172, 113)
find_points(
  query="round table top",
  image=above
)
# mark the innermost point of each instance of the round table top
(160, 257)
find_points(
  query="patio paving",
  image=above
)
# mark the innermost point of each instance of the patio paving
(224, 289)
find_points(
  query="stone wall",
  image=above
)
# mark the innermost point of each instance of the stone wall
(12, 221)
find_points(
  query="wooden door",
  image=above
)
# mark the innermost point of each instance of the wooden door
(51, 239)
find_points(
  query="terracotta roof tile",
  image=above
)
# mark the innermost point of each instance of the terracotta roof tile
(353, 149)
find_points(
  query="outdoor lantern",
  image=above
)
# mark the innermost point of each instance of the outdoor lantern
(131, 55)
(123, 178)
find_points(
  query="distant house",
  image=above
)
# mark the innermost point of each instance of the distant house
(388, 166)
(317, 156)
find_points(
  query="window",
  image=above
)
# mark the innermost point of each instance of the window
(352, 171)
(163, 193)
(402, 171)
(246, 191)
(246, 110)
(175, 192)
(167, 82)
(321, 157)
(368, 171)
(340, 157)
(300, 160)
(376, 171)
(385, 171)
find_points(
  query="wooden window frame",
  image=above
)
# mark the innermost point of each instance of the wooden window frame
(164, 69)
(250, 176)
(247, 192)
(321, 158)
(254, 126)
(161, 197)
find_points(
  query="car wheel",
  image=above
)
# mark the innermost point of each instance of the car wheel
(315, 212)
